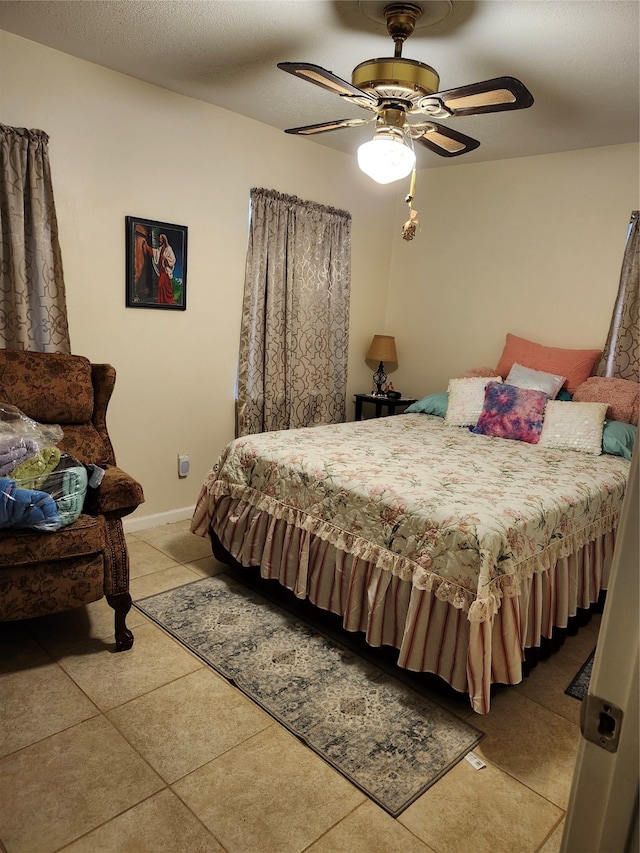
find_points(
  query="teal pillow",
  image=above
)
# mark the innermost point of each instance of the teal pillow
(433, 404)
(564, 395)
(618, 438)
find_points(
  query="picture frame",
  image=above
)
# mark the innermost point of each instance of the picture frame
(156, 264)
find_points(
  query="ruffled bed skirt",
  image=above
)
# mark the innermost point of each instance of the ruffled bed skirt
(430, 634)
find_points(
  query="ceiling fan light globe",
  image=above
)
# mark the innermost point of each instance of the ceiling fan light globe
(386, 160)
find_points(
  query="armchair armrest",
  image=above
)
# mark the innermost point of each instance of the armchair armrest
(118, 493)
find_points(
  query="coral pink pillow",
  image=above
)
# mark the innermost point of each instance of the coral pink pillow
(621, 395)
(575, 364)
(478, 372)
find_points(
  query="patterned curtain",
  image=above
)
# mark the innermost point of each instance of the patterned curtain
(621, 355)
(33, 311)
(295, 317)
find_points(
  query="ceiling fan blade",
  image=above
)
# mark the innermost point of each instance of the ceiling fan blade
(325, 126)
(489, 96)
(325, 79)
(446, 142)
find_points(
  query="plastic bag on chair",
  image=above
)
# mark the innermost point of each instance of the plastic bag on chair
(41, 487)
(21, 437)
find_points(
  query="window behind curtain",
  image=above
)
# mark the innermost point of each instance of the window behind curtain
(295, 317)
(33, 309)
(621, 355)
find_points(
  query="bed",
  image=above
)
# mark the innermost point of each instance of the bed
(459, 549)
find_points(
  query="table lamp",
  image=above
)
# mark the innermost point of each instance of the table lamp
(381, 349)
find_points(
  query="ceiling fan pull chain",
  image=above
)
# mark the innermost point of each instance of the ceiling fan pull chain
(409, 227)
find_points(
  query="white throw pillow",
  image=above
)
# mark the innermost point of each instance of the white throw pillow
(466, 399)
(535, 380)
(573, 426)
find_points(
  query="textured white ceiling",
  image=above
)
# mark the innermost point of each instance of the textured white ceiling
(579, 58)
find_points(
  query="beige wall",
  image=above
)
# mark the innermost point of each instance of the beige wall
(531, 246)
(122, 147)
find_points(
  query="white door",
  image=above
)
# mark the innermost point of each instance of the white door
(603, 807)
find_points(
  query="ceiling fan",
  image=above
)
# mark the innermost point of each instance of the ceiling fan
(396, 90)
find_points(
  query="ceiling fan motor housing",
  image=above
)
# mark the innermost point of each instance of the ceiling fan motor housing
(396, 78)
(405, 79)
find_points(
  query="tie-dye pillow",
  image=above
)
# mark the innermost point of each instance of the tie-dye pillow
(511, 412)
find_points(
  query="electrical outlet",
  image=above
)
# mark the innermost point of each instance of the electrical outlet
(183, 464)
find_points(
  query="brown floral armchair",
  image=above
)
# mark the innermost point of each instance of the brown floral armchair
(47, 572)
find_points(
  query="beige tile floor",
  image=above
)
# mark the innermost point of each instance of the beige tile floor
(150, 750)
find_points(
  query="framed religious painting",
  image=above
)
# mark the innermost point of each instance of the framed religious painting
(156, 274)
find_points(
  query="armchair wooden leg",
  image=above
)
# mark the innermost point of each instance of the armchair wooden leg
(121, 603)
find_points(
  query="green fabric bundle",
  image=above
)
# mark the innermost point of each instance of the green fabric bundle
(32, 473)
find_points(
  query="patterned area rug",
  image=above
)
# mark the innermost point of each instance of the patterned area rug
(384, 736)
(580, 684)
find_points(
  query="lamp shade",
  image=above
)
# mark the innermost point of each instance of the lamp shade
(382, 348)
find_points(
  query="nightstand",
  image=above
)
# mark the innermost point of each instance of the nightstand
(387, 403)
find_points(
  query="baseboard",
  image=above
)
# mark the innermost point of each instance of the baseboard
(144, 522)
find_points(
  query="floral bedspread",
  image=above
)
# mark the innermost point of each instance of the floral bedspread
(462, 514)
